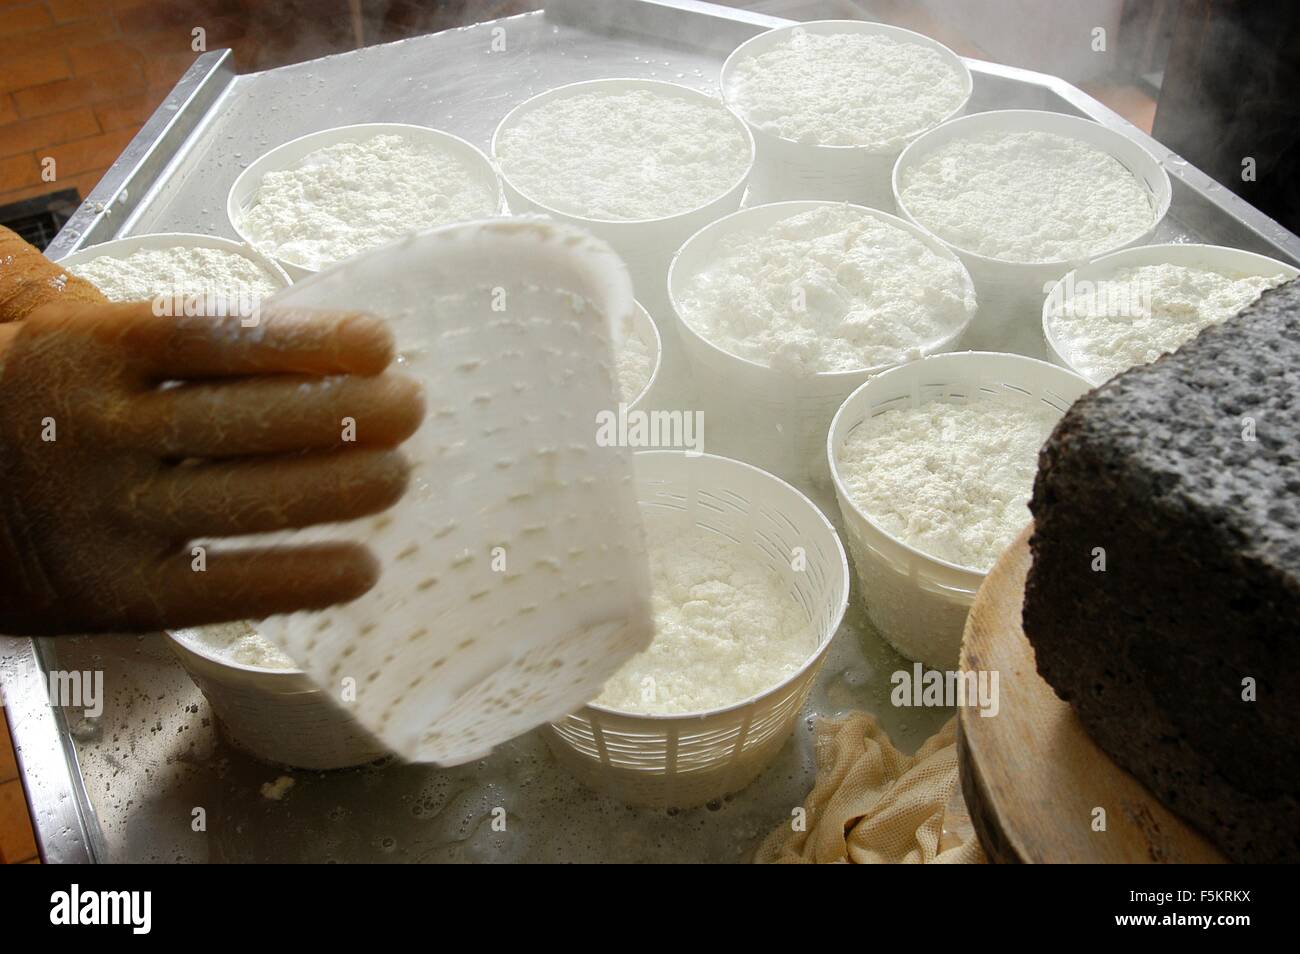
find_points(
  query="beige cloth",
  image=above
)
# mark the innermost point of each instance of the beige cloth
(872, 804)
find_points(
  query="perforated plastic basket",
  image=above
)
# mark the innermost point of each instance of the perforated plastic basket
(1217, 257)
(785, 169)
(773, 418)
(645, 245)
(1011, 293)
(513, 574)
(689, 759)
(918, 602)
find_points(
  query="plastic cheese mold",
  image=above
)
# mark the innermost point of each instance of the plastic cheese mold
(514, 578)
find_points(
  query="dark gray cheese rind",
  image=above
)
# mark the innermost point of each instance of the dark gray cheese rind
(1201, 533)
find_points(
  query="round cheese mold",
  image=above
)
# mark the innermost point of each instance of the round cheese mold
(636, 359)
(266, 705)
(622, 153)
(726, 628)
(1130, 307)
(1022, 196)
(634, 365)
(753, 529)
(327, 196)
(932, 462)
(784, 309)
(831, 104)
(202, 274)
(951, 480)
(514, 581)
(639, 163)
(1029, 196)
(827, 288)
(237, 643)
(853, 87)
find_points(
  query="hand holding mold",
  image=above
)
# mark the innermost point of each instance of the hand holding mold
(125, 438)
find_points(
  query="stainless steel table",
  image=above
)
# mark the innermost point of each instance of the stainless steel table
(128, 785)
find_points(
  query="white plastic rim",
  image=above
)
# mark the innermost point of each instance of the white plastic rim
(290, 154)
(786, 169)
(772, 418)
(1216, 257)
(1011, 293)
(919, 602)
(645, 245)
(160, 241)
(276, 715)
(643, 327)
(685, 759)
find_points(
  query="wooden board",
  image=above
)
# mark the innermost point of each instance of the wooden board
(1031, 776)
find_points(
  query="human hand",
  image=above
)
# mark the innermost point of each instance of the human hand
(124, 437)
